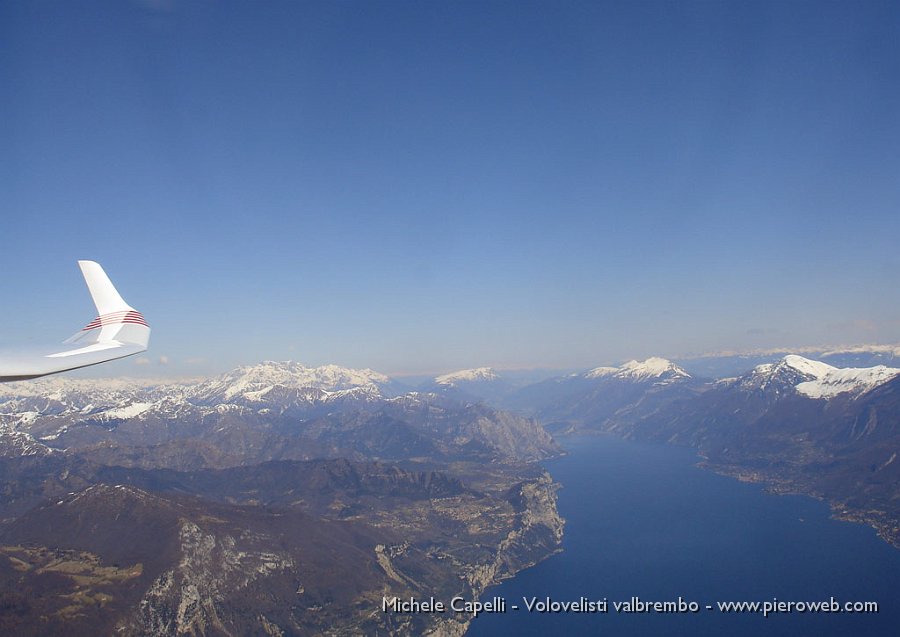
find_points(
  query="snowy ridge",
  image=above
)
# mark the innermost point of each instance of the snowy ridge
(850, 379)
(652, 368)
(467, 375)
(815, 379)
(255, 381)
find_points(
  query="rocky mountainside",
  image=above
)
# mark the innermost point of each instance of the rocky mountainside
(275, 499)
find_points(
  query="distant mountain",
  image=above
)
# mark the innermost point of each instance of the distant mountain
(588, 399)
(484, 384)
(480, 374)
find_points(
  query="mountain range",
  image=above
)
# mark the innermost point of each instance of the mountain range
(273, 499)
(283, 499)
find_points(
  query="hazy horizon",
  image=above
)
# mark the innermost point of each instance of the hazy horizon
(148, 369)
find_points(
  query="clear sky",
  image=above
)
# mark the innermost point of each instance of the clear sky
(426, 186)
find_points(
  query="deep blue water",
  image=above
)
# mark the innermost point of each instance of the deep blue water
(643, 521)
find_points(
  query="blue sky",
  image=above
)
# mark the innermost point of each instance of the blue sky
(425, 186)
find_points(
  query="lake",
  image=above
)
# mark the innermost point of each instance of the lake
(643, 521)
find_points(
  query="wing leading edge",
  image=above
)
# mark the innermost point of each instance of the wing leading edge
(118, 331)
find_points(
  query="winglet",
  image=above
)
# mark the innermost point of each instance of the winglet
(106, 297)
(116, 320)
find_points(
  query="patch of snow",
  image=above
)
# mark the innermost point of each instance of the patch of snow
(56, 434)
(256, 396)
(129, 411)
(28, 417)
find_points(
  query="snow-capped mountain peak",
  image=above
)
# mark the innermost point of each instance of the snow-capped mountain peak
(652, 368)
(467, 376)
(783, 375)
(816, 369)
